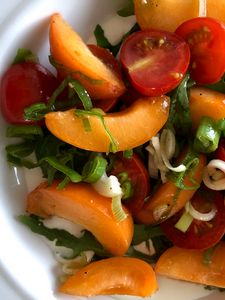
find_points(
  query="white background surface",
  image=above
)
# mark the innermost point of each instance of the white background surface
(36, 278)
(7, 290)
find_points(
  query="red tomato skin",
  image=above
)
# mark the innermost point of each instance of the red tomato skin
(189, 239)
(22, 85)
(206, 39)
(169, 61)
(139, 177)
(220, 152)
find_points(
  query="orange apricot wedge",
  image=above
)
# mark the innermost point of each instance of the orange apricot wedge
(129, 128)
(186, 264)
(116, 275)
(168, 199)
(206, 102)
(81, 204)
(74, 57)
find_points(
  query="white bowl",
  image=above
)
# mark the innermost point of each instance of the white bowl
(26, 262)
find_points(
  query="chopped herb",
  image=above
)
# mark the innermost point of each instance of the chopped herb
(60, 166)
(180, 117)
(127, 10)
(25, 55)
(190, 161)
(102, 41)
(218, 86)
(145, 232)
(207, 136)
(64, 238)
(83, 113)
(23, 131)
(94, 169)
(128, 153)
(212, 288)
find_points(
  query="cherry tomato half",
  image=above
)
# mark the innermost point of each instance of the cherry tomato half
(206, 39)
(24, 84)
(138, 176)
(200, 234)
(155, 60)
(220, 152)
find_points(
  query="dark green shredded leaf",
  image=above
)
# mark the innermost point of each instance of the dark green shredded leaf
(36, 112)
(82, 94)
(24, 131)
(180, 117)
(191, 161)
(64, 238)
(25, 55)
(20, 162)
(103, 42)
(60, 166)
(127, 10)
(128, 153)
(213, 288)
(20, 150)
(143, 233)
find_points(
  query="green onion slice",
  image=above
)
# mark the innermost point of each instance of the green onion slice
(117, 208)
(94, 169)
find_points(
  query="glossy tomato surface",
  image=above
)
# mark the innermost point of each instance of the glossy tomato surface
(138, 176)
(206, 39)
(155, 61)
(200, 234)
(22, 85)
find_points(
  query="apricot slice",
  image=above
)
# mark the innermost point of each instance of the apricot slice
(74, 57)
(81, 204)
(206, 102)
(186, 264)
(116, 275)
(129, 128)
(164, 14)
(168, 199)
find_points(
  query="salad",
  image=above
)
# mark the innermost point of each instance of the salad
(130, 141)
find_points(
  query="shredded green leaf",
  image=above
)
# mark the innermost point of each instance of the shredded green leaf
(207, 136)
(103, 42)
(25, 55)
(117, 208)
(179, 116)
(82, 113)
(64, 238)
(94, 169)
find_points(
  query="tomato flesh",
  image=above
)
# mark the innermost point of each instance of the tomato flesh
(138, 175)
(155, 61)
(206, 39)
(200, 234)
(22, 85)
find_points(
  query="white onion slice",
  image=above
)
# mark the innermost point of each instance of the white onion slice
(210, 172)
(167, 144)
(200, 216)
(108, 186)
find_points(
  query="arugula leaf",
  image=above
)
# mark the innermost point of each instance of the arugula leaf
(144, 233)
(103, 42)
(127, 10)
(180, 116)
(218, 86)
(25, 55)
(64, 238)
